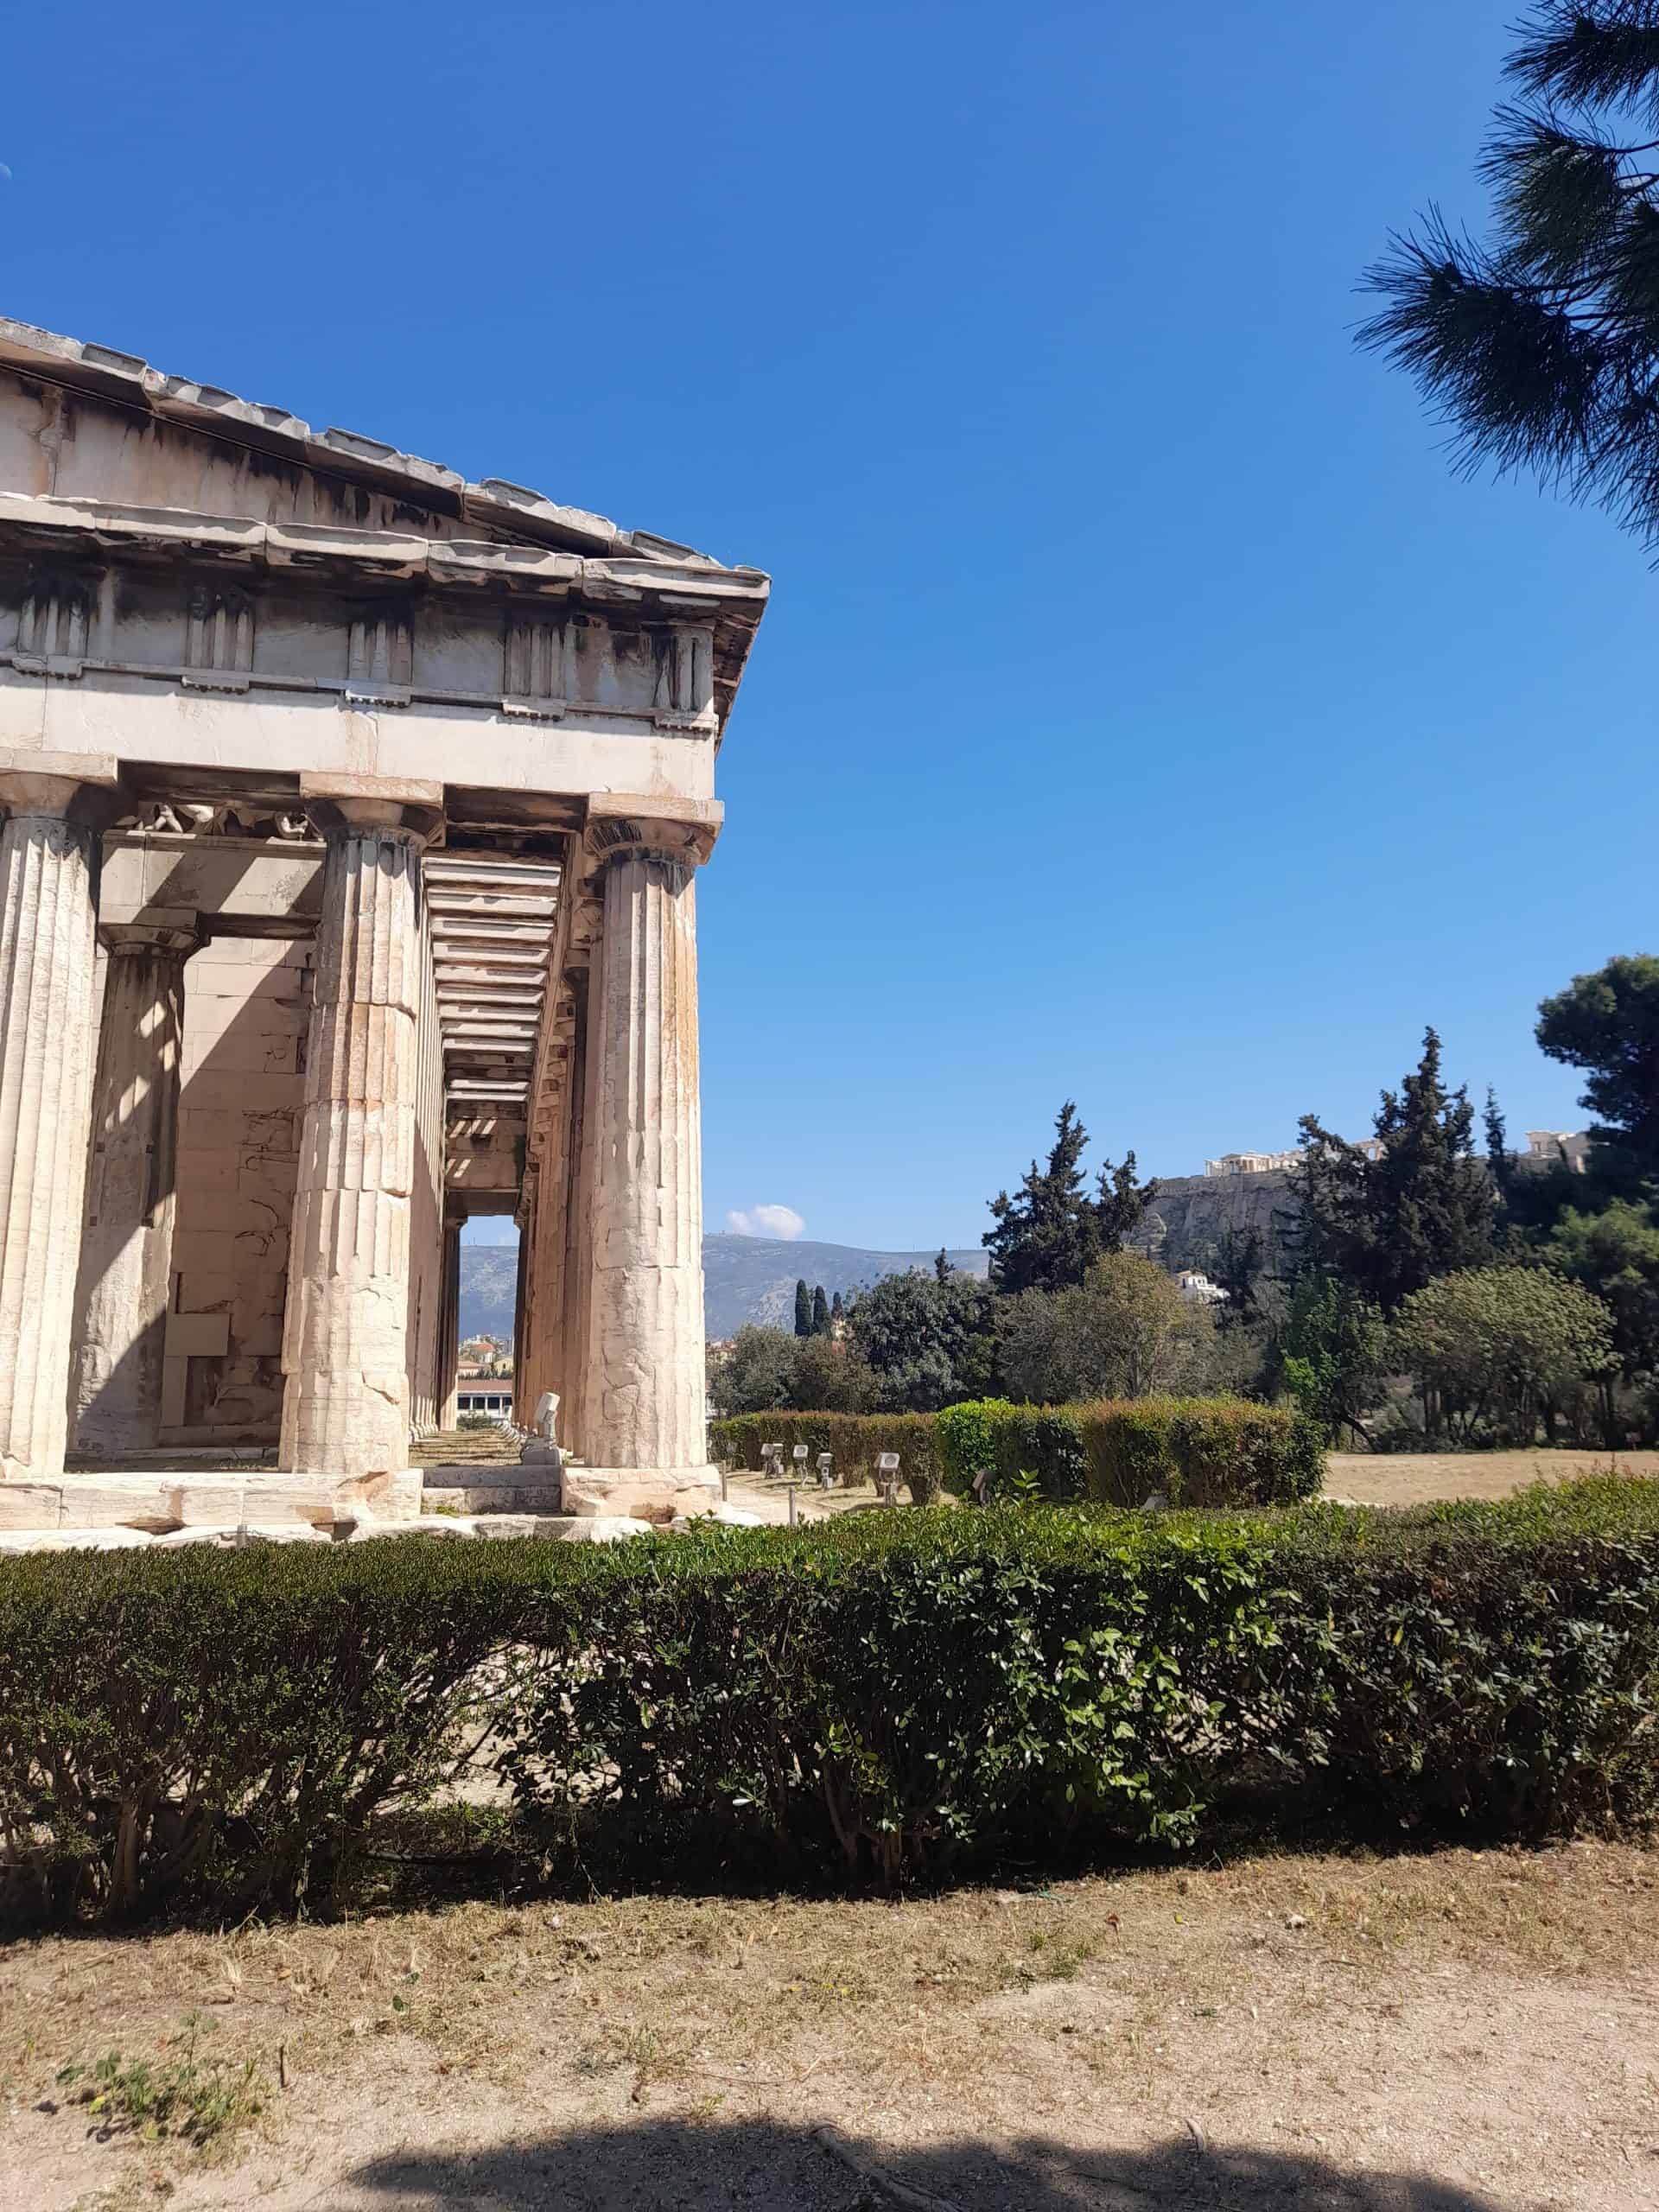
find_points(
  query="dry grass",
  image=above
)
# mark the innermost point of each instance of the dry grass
(1218, 1997)
(1418, 1478)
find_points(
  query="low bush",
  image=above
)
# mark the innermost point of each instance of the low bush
(853, 1440)
(1208, 1451)
(893, 1696)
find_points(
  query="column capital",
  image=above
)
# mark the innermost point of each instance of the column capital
(149, 937)
(342, 805)
(627, 825)
(60, 786)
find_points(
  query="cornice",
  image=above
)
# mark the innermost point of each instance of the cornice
(126, 380)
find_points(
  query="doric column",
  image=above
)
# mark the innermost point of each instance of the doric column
(578, 1227)
(345, 1342)
(449, 1326)
(48, 871)
(521, 1315)
(644, 1403)
(545, 1230)
(126, 1252)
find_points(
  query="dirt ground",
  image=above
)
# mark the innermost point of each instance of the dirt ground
(1455, 2033)
(1414, 1478)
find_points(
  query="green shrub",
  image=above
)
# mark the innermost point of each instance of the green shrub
(1191, 1451)
(853, 1440)
(181, 1720)
(888, 1694)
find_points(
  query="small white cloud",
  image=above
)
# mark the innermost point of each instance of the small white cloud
(766, 1221)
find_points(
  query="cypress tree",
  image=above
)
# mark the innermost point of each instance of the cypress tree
(820, 1313)
(803, 1308)
(1423, 1207)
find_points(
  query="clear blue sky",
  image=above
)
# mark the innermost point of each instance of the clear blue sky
(1144, 714)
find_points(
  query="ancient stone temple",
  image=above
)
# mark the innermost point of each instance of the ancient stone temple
(353, 817)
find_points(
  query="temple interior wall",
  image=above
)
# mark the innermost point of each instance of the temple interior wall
(247, 1004)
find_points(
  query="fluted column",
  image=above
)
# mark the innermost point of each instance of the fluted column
(47, 894)
(545, 1228)
(126, 1252)
(644, 1405)
(579, 1224)
(345, 1399)
(449, 1326)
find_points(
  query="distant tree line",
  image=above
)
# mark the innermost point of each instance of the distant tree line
(1427, 1287)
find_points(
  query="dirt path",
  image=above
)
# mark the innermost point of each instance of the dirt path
(1414, 1478)
(1461, 2033)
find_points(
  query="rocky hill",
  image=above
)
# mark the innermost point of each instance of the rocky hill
(1184, 1225)
(746, 1278)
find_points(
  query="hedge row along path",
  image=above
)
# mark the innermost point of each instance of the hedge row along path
(1464, 2032)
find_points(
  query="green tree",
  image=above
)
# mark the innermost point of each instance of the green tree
(927, 1340)
(1120, 1200)
(1540, 347)
(1332, 1353)
(1239, 1262)
(757, 1375)
(1423, 1206)
(820, 1313)
(1051, 1232)
(1607, 1023)
(1615, 1254)
(803, 1309)
(1501, 1348)
(1124, 1331)
(837, 1311)
(1041, 1239)
(831, 1378)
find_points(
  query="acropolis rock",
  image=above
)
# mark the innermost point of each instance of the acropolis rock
(352, 814)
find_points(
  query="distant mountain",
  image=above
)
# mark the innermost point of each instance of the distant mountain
(753, 1278)
(489, 1290)
(744, 1278)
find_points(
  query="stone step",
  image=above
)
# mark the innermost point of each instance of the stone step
(467, 1496)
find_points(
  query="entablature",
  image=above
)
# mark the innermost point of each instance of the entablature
(375, 619)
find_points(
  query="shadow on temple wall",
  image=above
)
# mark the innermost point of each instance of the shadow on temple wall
(236, 1167)
(771, 2165)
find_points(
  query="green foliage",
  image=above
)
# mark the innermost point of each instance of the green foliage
(1499, 1346)
(1423, 1207)
(853, 1439)
(925, 1339)
(769, 1367)
(228, 1722)
(1615, 1254)
(1123, 1332)
(1332, 1350)
(1608, 1024)
(892, 1693)
(1240, 1262)
(1206, 1452)
(758, 1372)
(820, 1313)
(1539, 347)
(1050, 1234)
(803, 1309)
(197, 2100)
(477, 1422)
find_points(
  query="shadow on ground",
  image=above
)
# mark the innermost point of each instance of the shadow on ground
(770, 2166)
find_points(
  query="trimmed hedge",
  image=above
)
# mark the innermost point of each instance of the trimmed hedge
(853, 1439)
(1208, 1451)
(891, 1694)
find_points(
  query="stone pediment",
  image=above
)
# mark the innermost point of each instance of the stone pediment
(88, 421)
(156, 529)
